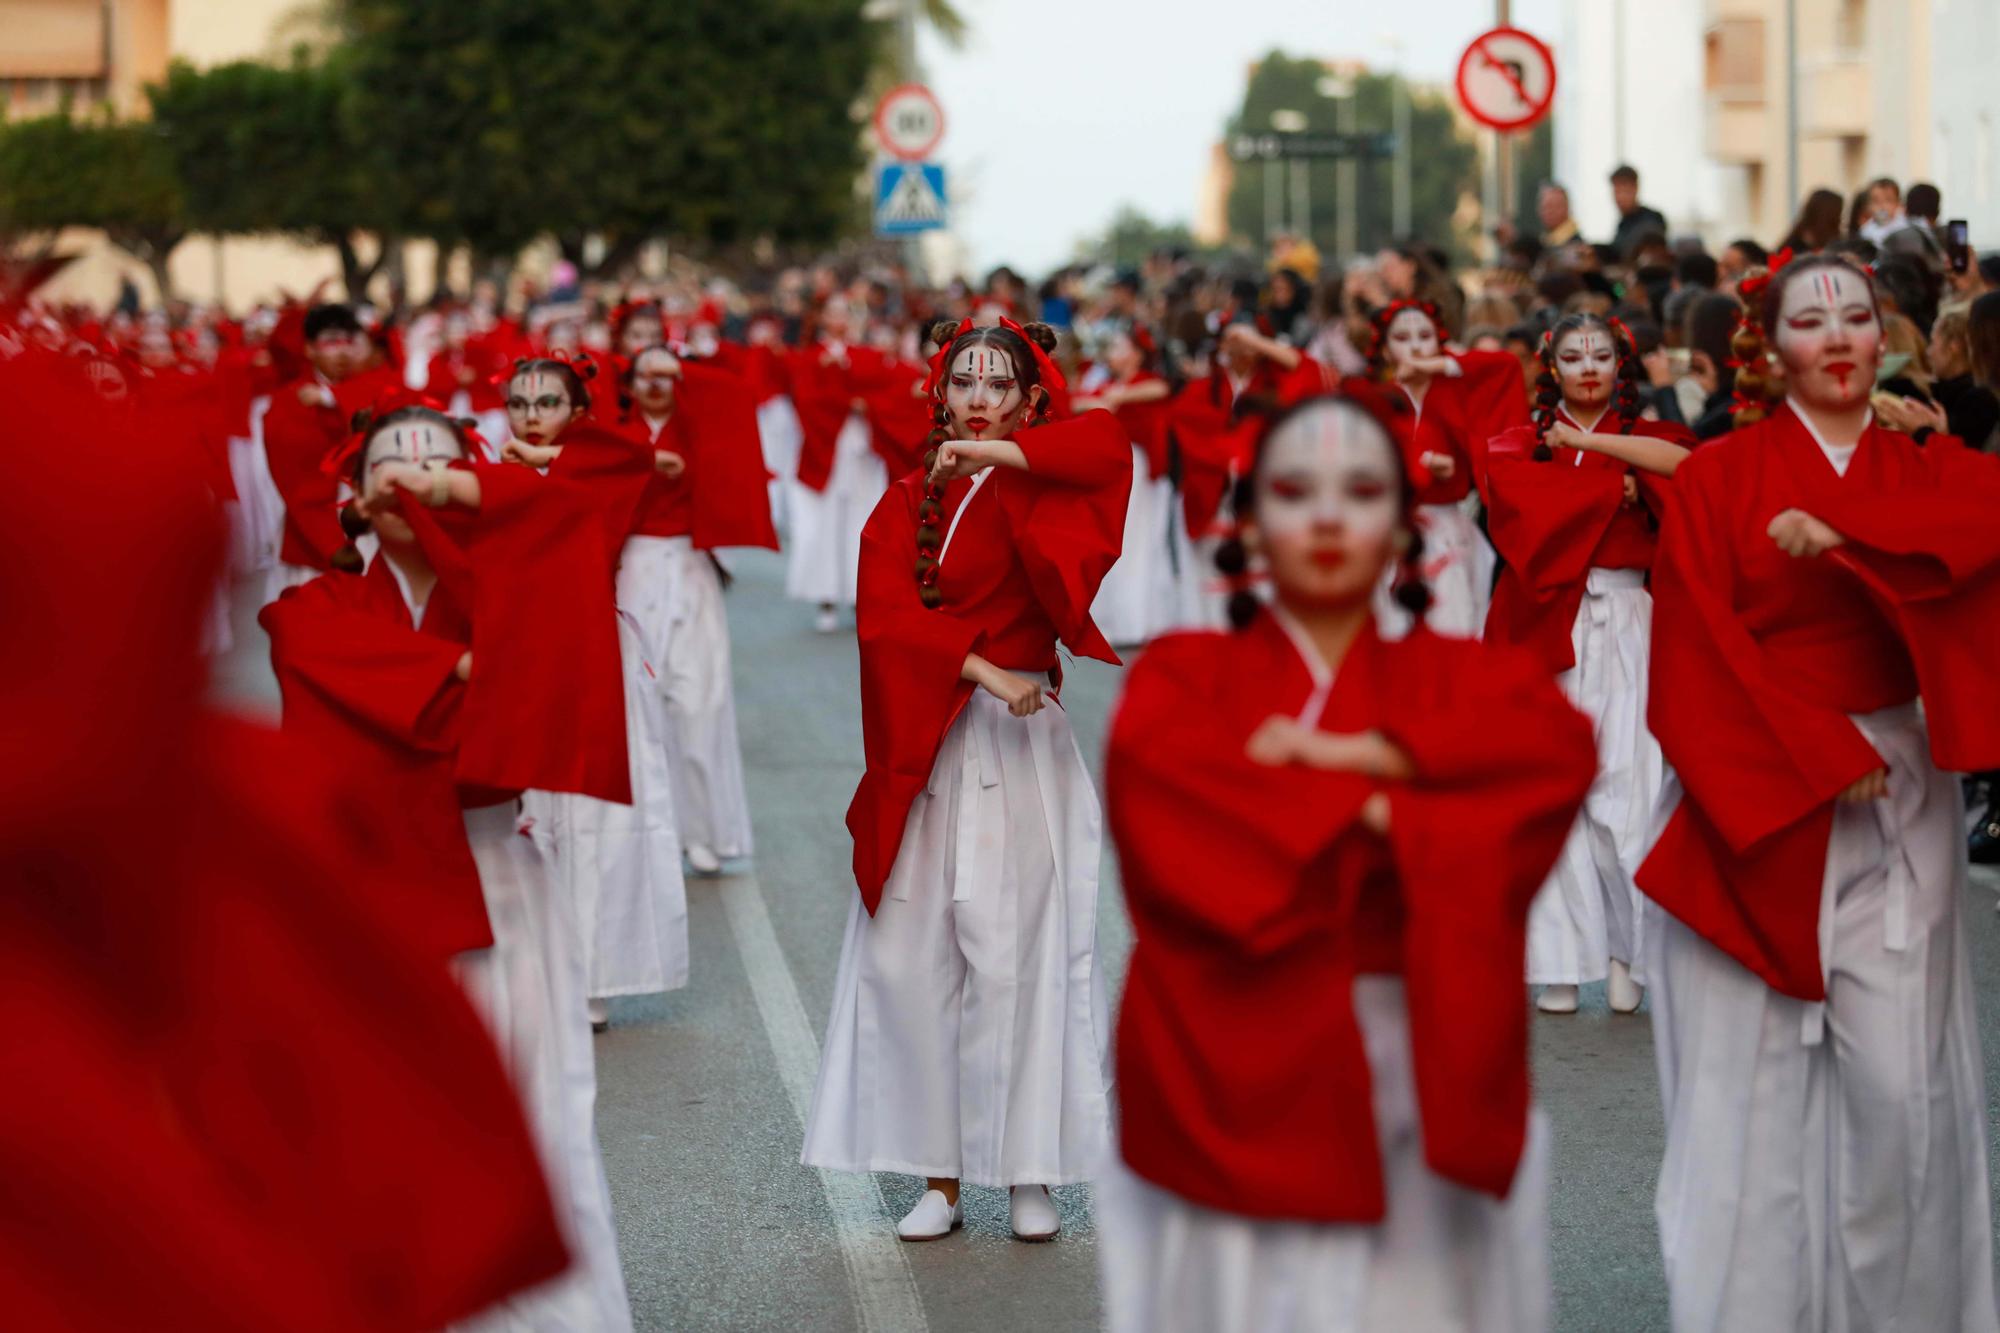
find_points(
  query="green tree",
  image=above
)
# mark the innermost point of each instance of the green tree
(274, 148)
(60, 171)
(1131, 237)
(1443, 164)
(707, 122)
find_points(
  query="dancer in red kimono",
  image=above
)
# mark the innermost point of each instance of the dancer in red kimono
(1573, 503)
(1461, 400)
(305, 425)
(707, 492)
(1826, 607)
(435, 744)
(620, 861)
(966, 1043)
(1214, 444)
(1137, 599)
(242, 1103)
(842, 471)
(1329, 842)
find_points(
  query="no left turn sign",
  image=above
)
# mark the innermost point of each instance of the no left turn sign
(1506, 79)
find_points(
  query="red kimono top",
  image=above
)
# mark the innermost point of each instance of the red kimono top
(721, 497)
(1024, 557)
(1556, 521)
(525, 584)
(1146, 424)
(298, 438)
(1759, 659)
(1257, 897)
(1459, 414)
(1214, 446)
(242, 1103)
(825, 393)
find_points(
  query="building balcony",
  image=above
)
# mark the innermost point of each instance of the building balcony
(1833, 97)
(1737, 131)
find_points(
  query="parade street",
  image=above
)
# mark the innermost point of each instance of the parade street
(701, 1092)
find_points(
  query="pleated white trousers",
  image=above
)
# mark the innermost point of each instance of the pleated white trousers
(1590, 911)
(968, 1031)
(1128, 605)
(780, 435)
(529, 988)
(1826, 1163)
(825, 563)
(675, 595)
(1444, 1259)
(621, 864)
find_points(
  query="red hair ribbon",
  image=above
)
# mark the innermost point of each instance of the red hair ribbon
(338, 463)
(934, 382)
(1143, 340)
(1752, 287)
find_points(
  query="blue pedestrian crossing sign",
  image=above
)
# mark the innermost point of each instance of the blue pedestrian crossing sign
(909, 198)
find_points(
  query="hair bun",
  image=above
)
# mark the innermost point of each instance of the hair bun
(942, 331)
(361, 420)
(1041, 335)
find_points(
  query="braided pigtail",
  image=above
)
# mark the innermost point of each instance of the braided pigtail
(930, 542)
(1232, 558)
(1626, 402)
(1548, 397)
(1412, 593)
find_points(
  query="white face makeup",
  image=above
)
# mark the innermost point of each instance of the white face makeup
(538, 406)
(1329, 505)
(983, 394)
(1586, 369)
(1411, 336)
(1829, 338)
(418, 442)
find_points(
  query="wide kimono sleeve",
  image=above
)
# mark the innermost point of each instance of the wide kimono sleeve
(1502, 764)
(1068, 518)
(912, 660)
(297, 440)
(1212, 845)
(1200, 431)
(732, 502)
(545, 707)
(1929, 549)
(1741, 859)
(379, 676)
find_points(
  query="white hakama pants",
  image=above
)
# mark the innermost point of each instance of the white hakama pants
(968, 1030)
(621, 864)
(825, 563)
(1458, 566)
(260, 510)
(529, 988)
(1826, 1163)
(1127, 608)
(780, 435)
(1445, 1258)
(1590, 911)
(675, 595)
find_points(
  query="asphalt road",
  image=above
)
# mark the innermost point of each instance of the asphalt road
(701, 1092)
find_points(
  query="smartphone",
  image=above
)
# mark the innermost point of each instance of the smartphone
(1958, 245)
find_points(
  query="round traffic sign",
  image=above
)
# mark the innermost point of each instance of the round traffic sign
(1506, 79)
(909, 122)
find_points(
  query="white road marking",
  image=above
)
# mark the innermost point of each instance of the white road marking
(878, 1274)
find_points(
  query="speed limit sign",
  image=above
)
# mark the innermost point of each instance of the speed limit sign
(909, 122)
(1506, 79)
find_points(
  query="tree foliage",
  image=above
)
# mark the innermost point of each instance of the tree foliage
(58, 171)
(1443, 164)
(262, 148)
(704, 122)
(1132, 236)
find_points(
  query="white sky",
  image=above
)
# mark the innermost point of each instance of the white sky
(1059, 111)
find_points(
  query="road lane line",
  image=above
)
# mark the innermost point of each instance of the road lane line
(878, 1273)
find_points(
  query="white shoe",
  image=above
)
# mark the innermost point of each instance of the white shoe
(600, 1015)
(931, 1219)
(1557, 1000)
(1033, 1213)
(1623, 992)
(703, 858)
(827, 621)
